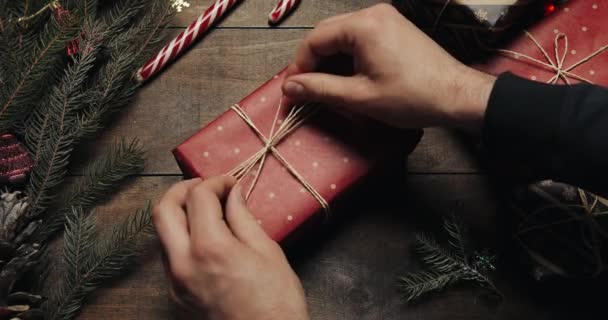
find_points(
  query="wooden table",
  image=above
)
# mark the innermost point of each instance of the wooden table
(351, 273)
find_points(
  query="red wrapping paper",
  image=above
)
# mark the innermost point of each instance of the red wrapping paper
(584, 24)
(333, 152)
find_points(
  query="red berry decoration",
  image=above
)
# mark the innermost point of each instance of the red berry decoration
(15, 161)
(73, 47)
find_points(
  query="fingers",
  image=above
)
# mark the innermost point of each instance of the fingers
(205, 212)
(325, 40)
(170, 219)
(242, 222)
(328, 89)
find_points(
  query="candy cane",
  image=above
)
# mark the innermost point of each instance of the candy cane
(185, 39)
(282, 8)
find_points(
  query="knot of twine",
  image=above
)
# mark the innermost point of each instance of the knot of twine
(297, 115)
(557, 65)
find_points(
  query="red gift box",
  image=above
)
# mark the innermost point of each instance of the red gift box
(569, 46)
(330, 151)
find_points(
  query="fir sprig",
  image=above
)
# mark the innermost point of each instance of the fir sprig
(100, 178)
(52, 148)
(89, 259)
(55, 101)
(21, 92)
(446, 265)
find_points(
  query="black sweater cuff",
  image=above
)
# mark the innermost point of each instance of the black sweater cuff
(522, 126)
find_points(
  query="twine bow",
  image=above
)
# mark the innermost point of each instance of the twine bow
(561, 72)
(297, 115)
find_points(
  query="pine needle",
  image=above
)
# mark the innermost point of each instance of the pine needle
(101, 178)
(436, 257)
(446, 266)
(20, 94)
(54, 102)
(90, 261)
(418, 284)
(53, 146)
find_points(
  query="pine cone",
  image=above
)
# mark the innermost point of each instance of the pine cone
(15, 161)
(22, 306)
(12, 207)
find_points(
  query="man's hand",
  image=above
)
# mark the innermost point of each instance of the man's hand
(402, 77)
(220, 261)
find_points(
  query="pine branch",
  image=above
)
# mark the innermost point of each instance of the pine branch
(54, 152)
(79, 237)
(417, 285)
(20, 95)
(436, 257)
(446, 266)
(106, 258)
(88, 8)
(101, 178)
(122, 14)
(456, 232)
(151, 29)
(117, 87)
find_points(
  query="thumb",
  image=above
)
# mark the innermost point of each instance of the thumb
(242, 223)
(326, 88)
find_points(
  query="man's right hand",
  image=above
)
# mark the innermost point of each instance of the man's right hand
(402, 77)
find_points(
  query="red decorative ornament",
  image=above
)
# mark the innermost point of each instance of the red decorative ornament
(73, 47)
(15, 161)
(59, 12)
(550, 8)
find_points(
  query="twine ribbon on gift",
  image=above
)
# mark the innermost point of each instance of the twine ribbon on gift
(296, 116)
(557, 65)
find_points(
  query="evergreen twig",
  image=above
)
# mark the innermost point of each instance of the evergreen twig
(91, 260)
(102, 177)
(21, 93)
(54, 101)
(446, 266)
(54, 145)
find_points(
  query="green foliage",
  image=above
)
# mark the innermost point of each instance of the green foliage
(446, 265)
(34, 66)
(102, 177)
(96, 83)
(50, 134)
(90, 259)
(56, 102)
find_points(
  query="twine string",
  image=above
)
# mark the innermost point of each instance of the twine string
(51, 5)
(295, 118)
(557, 65)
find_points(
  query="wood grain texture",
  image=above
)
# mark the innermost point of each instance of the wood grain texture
(254, 13)
(349, 269)
(219, 72)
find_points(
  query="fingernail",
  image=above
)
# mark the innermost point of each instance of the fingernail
(293, 89)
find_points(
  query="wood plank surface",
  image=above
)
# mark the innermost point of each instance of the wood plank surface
(350, 270)
(254, 13)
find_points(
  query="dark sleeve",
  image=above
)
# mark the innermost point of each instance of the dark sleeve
(549, 131)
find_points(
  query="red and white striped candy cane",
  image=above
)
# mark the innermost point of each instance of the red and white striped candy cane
(281, 10)
(185, 39)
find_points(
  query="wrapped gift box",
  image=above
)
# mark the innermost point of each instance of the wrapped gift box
(331, 151)
(573, 40)
(561, 230)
